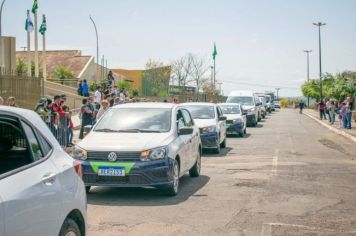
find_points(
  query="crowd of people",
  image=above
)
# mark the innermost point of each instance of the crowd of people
(333, 108)
(10, 101)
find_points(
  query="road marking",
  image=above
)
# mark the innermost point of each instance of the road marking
(275, 162)
(292, 150)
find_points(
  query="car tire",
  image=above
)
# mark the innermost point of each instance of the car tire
(172, 189)
(70, 227)
(195, 170)
(245, 131)
(242, 134)
(254, 124)
(223, 144)
(87, 189)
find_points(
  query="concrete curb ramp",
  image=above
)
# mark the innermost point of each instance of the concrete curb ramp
(340, 132)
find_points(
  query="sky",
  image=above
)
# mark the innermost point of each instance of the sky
(260, 43)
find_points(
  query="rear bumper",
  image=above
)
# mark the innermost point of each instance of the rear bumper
(251, 119)
(237, 128)
(137, 174)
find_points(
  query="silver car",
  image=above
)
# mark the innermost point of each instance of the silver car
(141, 145)
(41, 190)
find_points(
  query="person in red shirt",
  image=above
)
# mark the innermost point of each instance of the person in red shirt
(322, 107)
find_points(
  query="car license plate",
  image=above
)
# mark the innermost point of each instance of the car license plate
(111, 171)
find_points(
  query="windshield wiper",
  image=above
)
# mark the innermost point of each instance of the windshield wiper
(106, 130)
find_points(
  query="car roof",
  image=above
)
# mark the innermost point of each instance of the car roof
(229, 104)
(242, 93)
(147, 105)
(198, 104)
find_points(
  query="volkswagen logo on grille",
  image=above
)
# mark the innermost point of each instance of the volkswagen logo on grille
(112, 156)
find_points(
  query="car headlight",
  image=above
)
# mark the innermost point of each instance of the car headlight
(208, 129)
(79, 153)
(154, 154)
(238, 120)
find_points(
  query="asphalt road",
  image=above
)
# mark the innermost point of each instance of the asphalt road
(289, 176)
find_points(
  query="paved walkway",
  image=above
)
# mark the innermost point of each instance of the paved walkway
(316, 115)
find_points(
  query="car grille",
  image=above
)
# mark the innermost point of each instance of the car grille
(131, 179)
(121, 156)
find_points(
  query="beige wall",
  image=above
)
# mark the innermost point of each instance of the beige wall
(7, 53)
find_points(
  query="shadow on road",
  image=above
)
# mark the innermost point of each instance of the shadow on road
(106, 196)
(259, 125)
(223, 152)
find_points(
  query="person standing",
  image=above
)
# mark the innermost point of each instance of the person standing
(86, 114)
(348, 116)
(332, 110)
(301, 107)
(85, 89)
(104, 107)
(97, 97)
(327, 108)
(11, 101)
(322, 107)
(80, 88)
(342, 115)
(122, 96)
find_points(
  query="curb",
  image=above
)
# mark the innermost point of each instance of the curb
(340, 132)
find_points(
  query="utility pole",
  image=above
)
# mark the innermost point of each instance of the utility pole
(307, 52)
(212, 75)
(2, 5)
(24, 48)
(277, 89)
(319, 24)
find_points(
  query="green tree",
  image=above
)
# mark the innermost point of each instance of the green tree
(124, 84)
(21, 67)
(62, 73)
(158, 77)
(135, 92)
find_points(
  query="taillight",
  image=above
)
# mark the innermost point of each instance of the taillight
(78, 168)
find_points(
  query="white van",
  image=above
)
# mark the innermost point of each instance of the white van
(249, 104)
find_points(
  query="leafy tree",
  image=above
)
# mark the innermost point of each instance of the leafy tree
(135, 92)
(124, 84)
(62, 73)
(21, 67)
(158, 76)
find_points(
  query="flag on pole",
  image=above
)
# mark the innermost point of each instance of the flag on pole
(215, 52)
(29, 23)
(43, 27)
(34, 7)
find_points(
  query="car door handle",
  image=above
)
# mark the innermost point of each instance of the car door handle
(49, 178)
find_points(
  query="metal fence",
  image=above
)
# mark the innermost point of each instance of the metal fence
(26, 90)
(60, 128)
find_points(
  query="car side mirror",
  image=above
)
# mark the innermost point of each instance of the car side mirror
(185, 131)
(244, 112)
(87, 129)
(222, 118)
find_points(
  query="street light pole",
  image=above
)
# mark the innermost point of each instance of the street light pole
(2, 5)
(319, 24)
(97, 41)
(212, 75)
(307, 52)
(277, 89)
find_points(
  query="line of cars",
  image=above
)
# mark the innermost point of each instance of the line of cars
(132, 145)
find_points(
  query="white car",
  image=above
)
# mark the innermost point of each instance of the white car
(141, 145)
(211, 122)
(236, 118)
(41, 190)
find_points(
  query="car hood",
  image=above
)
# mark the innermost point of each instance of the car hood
(246, 107)
(233, 116)
(97, 141)
(204, 122)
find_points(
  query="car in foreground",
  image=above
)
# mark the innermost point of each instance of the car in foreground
(277, 104)
(41, 190)
(141, 145)
(249, 103)
(235, 119)
(211, 122)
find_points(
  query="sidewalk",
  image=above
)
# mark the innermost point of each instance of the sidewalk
(348, 133)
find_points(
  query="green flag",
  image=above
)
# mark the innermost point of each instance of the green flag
(43, 27)
(215, 52)
(34, 7)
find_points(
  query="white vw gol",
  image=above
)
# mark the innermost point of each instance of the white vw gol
(41, 192)
(141, 145)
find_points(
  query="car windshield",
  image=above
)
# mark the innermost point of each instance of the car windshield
(229, 109)
(242, 100)
(135, 120)
(201, 112)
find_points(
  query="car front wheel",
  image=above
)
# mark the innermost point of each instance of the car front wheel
(172, 189)
(70, 228)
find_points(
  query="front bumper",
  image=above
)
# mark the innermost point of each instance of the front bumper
(137, 174)
(209, 140)
(236, 128)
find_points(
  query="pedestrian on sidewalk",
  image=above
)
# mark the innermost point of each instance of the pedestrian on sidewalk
(327, 109)
(85, 88)
(98, 97)
(348, 116)
(332, 112)
(11, 101)
(86, 115)
(322, 106)
(104, 107)
(80, 88)
(301, 106)
(342, 115)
